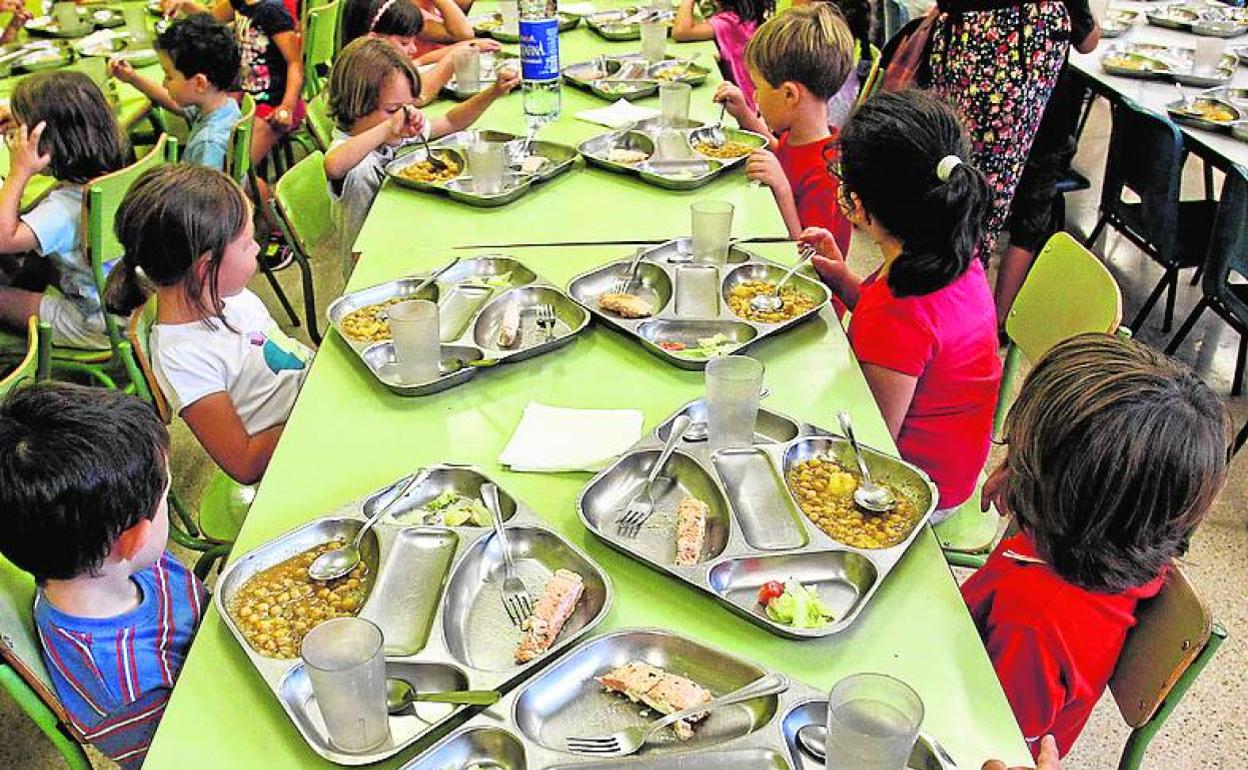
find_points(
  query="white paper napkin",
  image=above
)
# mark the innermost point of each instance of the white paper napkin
(552, 439)
(618, 115)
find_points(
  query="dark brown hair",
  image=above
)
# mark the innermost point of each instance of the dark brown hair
(172, 216)
(1115, 454)
(401, 18)
(359, 72)
(82, 135)
(809, 45)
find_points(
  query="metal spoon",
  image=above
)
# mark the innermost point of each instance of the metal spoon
(332, 565)
(400, 694)
(715, 136)
(770, 303)
(1187, 101)
(438, 274)
(869, 495)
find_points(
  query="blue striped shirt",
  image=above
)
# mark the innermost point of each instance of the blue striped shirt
(114, 675)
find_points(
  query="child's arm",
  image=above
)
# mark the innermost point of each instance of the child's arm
(431, 82)
(464, 115)
(404, 124)
(124, 71)
(25, 161)
(216, 424)
(292, 51)
(221, 10)
(16, 22)
(730, 95)
(687, 29)
(830, 264)
(453, 27)
(763, 167)
(893, 392)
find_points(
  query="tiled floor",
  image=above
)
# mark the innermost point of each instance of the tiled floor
(1207, 731)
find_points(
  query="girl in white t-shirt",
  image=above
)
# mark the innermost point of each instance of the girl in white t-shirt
(218, 355)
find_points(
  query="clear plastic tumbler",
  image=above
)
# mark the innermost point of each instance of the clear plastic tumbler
(653, 41)
(467, 69)
(734, 385)
(486, 162)
(712, 228)
(347, 669)
(674, 103)
(873, 722)
(415, 334)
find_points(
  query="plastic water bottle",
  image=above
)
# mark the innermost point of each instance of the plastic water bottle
(539, 61)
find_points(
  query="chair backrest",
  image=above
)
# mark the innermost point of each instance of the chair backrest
(1171, 631)
(1228, 247)
(140, 332)
(1145, 156)
(238, 155)
(320, 125)
(320, 35)
(1068, 292)
(34, 365)
(301, 197)
(871, 83)
(101, 197)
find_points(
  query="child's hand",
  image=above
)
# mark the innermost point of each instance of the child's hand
(1048, 759)
(731, 95)
(485, 44)
(6, 118)
(764, 167)
(822, 242)
(505, 80)
(993, 493)
(407, 123)
(122, 70)
(24, 155)
(282, 118)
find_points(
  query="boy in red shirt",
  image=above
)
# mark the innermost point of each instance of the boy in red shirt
(1115, 454)
(797, 61)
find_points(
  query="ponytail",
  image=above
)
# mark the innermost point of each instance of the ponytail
(124, 291)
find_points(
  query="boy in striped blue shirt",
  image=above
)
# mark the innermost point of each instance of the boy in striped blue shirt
(84, 480)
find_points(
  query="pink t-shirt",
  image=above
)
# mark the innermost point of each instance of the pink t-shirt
(948, 340)
(431, 13)
(731, 36)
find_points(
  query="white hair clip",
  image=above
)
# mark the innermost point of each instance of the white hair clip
(380, 12)
(944, 169)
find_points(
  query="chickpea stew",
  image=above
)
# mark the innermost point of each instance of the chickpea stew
(824, 490)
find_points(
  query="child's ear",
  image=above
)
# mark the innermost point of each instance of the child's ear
(201, 82)
(791, 92)
(132, 541)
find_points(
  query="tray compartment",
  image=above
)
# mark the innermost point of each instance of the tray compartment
(490, 747)
(771, 428)
(487, 267)
(605, 500)
(744, 759)
(767, 516)
(762, 271)
(408, 588)
(653, 284)
(566, 700)
(458, 308)
(460, 479)
(688, 333)
(570, 318)
(453, 369)
(403, 288)
(475, 625)
(842, 579)
(597, 149)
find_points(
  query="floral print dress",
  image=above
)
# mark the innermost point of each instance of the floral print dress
(998, 67)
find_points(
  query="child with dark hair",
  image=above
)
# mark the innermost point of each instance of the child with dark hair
(66, 128)
(731, 27)
(1116, 453)
(923, 326)
(84, 478)
(219, 357)
(201, 62)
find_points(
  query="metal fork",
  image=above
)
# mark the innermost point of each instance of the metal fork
(516, 598)
(628, 741)
(545, 317)
(627, 276)
(641, 506)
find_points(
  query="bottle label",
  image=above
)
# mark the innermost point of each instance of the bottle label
(539, 48)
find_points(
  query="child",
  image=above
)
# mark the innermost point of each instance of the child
(201, 60)
(857, 15)
(65, 127)
(83, 488)
(1115, 453)
(218, 355)
(371, 91)
(731, 27)
(797, 61)
(923, 326)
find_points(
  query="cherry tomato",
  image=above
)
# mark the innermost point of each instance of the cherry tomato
(672, 346)
(772, 589)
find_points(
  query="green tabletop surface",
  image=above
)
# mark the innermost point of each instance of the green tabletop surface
(348, 436)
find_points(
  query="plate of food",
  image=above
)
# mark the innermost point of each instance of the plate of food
(1205, 112)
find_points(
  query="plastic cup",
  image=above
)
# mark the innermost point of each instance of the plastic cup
(697, 291)
(733, 387)
(344, 661)
(135, 15)
(467, 69)
(414, 329)
(671, 144)
(873, 722)
(1209, 52)
(510, 11)
(653, 41)
(712, 227)
(486, 162)
(674, 103)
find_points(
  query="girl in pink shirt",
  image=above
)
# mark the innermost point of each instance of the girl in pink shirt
(731, 27)
(924, 325)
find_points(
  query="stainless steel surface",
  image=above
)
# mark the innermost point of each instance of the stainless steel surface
(639, 509)
(463, 189)
(631, 90)
(756, 530)
(674, 337)
(682, 71)
(805, 732)
(332, 565)
(629, 740)
(429, 597)
(516, 599)
(869, 495)
(559, 159)
(472, 296)
(673, 174)
(400, 695)
(752, 140)
(715, 135)
(1179, 112)
(444, 155)
(768, 303)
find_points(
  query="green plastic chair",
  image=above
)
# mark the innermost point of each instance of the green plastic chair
(871, 83)
(301, 201)
(35, 364)
(225, 503)
(320, 32)
(320, 125)
(1068, 292)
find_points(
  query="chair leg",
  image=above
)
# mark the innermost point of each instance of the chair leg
(1237, 386)
(1196, 275)
(1187, 326)
(309, 297)
(30, 704)
(1172, 291)
(1208, 180)
(1087, 113)
(1096, 231)
(277, 289)
(1240, 439)
(183, 514)
(1142, 316)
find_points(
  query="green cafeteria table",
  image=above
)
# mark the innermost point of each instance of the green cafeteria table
(349, 436)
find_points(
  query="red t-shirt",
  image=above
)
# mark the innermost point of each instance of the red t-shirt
(948, 340)
(1054, 645)
(814, 189)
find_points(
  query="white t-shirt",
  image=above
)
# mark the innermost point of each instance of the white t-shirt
(259, 366)
(351, 197)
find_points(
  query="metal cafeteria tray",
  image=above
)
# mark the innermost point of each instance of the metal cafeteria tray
(490, 62)
(623, 23)
(47, 26)
(688, 171)
(586, 74)
(516, 182)
(491, 25)
(1174, 17)
(657, 274)
(526, 730)
(1180, 115)
(436, 595)
(471, 297)
(756, 531)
